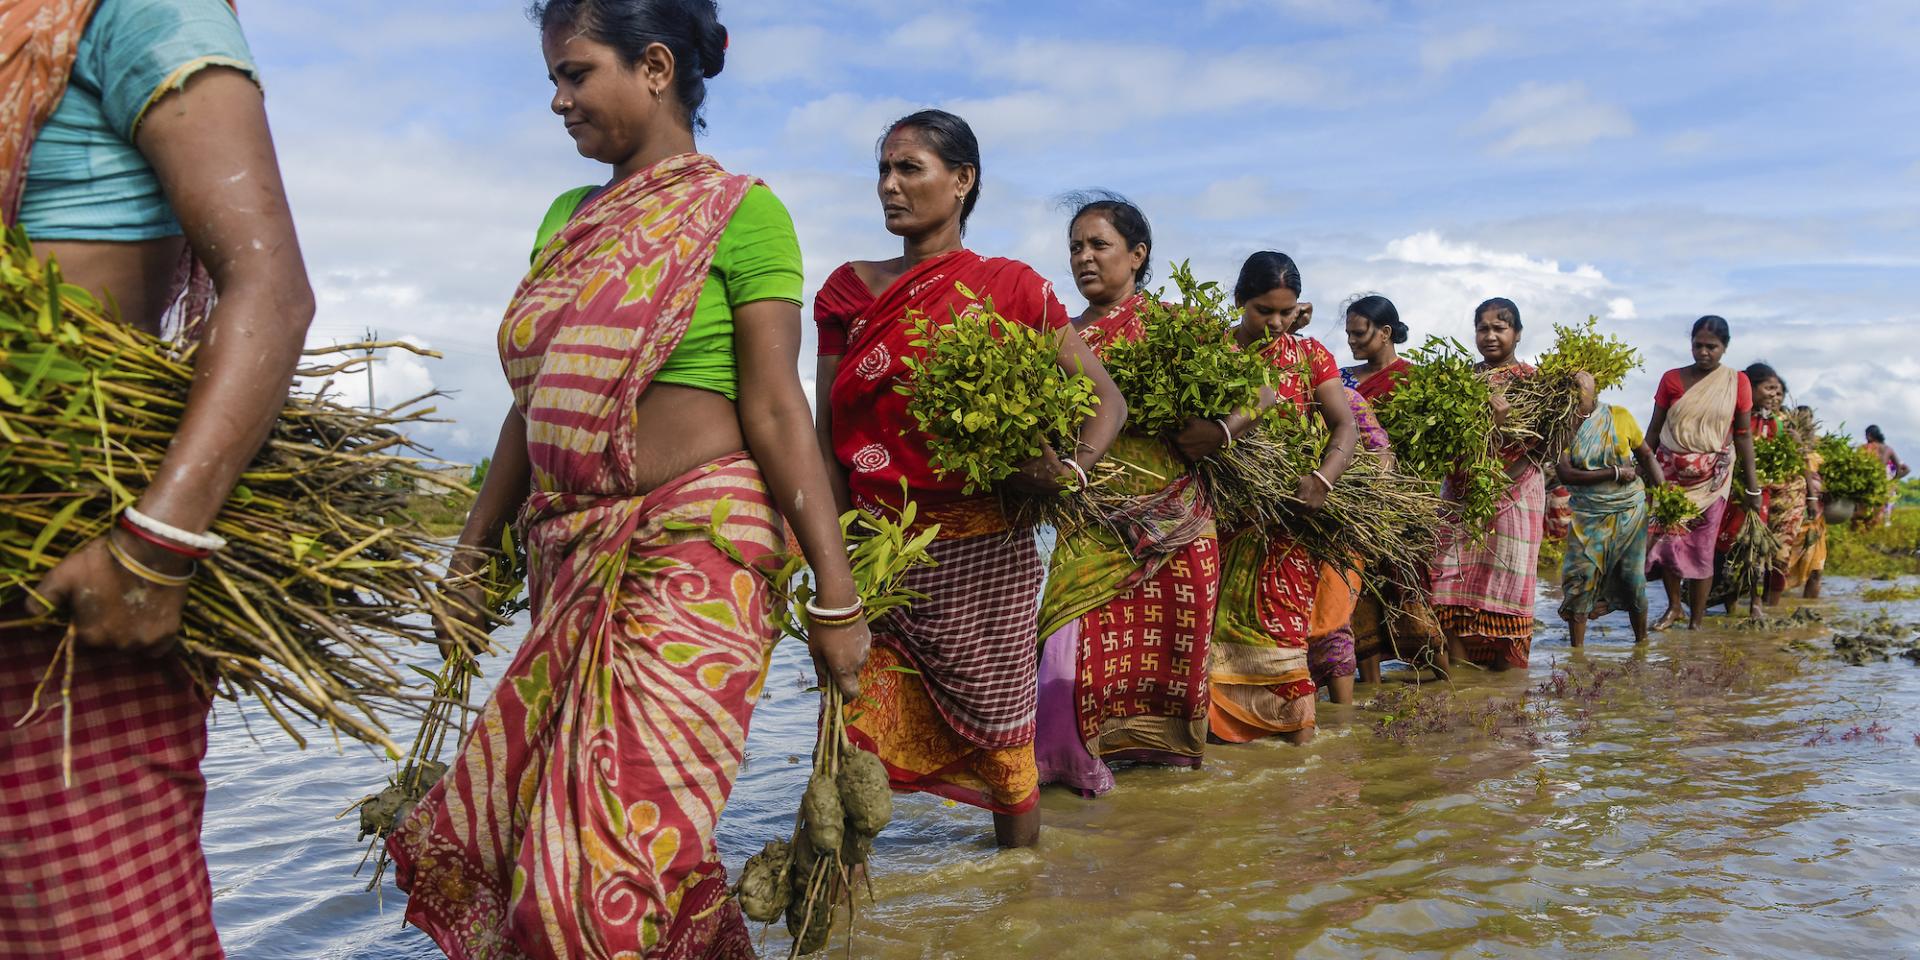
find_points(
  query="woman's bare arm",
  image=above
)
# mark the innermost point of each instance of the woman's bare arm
(781, 436)
(825, 370)
(209, 145)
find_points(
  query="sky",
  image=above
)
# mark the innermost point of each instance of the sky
(1643, 161)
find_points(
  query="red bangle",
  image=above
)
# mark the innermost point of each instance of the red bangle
(190, 553)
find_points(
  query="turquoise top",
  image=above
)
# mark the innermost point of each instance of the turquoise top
(85, 179)
(758, 258)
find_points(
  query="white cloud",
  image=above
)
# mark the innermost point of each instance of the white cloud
(1439, 54)
(1621, 308)
(1552, 116)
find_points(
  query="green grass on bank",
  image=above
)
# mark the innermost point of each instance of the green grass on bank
(1880, 553)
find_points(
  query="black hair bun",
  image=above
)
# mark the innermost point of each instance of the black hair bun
(713, 51)
(1399, 332)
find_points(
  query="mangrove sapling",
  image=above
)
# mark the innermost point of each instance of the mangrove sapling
(1373, 517)
(990, 395)
(848, 800)
(322, 585)
(1852, 473)
(1185, 363)
(1441, 421)
(1779, 459)
(1673, 511)
(1750, 559)
(1543, 408)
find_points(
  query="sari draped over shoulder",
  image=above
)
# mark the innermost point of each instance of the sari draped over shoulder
(1373, 386)
(1483, 593)
(1126, 615)
(1786, 504)
(1257, 660)
(577, 820)
(1696, 453)
(949, 690)
(1606, 562)
(39, 40)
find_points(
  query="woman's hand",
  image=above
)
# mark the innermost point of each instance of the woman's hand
(839, 653)
(1589, 392)
(463, 602)
(1044, 474)
(1311, 492)
(107, 605)
(1750, 500)
(1500, 407)
(1200, 438)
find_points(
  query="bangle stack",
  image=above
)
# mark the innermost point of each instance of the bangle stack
(196, 545)
(181, 543)
(835, 617)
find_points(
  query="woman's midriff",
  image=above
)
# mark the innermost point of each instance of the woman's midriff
(680, 428)
(137, 275)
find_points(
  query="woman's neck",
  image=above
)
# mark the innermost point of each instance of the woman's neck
(1382, 359)
(1101, 309)
(918, 250)
(670, 144)
(1487, 363)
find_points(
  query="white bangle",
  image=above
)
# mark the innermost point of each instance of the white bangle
(1317, 475)
(1752, 493)
(167, 531)
(1222, 422)
(1078, 470)
(834, 613)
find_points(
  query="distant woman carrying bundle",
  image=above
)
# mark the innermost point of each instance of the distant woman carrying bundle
(1702, 419)
(948, 696)
(657, 409)
(1606, 563)
(1129, 603)
(1483, 590)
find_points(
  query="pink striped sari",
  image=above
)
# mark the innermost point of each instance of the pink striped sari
(577, 820)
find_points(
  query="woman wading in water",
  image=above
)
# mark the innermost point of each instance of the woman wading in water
(1483, 593)
(1703, 425)
(958, 720)
(652, 351)
(1258, 661)
(1129, 605)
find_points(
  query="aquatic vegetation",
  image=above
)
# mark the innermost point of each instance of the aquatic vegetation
(1544, 407)
(1751, 557)
(1895, 594)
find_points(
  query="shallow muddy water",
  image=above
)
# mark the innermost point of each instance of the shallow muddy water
(1752, 823)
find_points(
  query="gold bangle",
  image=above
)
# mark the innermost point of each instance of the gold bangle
(846, 621)
(147, 573)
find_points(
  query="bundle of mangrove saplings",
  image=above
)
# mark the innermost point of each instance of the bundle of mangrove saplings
(847, 800)
(1751, 558)
(323, 580)
(1543, 408)
(503, 583)
(988, 394)
(1778, 459)
(1185, 363)
(1853, 473)
(1672, 510)
(1373, 517)
(1441, 423)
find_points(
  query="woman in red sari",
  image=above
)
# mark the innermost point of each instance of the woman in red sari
(958, 720)
(657, 412)
(1257, 663)
(1128, 607)
(1374, 329)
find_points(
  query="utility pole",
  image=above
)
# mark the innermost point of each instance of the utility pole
(371, 339)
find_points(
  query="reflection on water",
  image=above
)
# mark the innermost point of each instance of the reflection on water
(1706, 828)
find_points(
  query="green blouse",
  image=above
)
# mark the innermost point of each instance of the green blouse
(758, 258)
